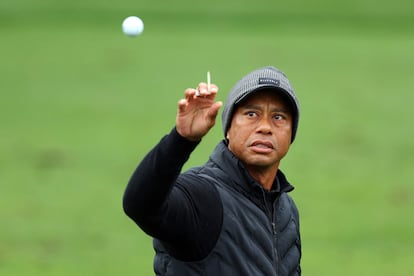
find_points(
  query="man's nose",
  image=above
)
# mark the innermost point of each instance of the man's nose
(265, 125)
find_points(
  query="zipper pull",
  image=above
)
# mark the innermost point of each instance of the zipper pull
(274, 228)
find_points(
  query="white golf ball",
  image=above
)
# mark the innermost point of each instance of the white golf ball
(133, 26)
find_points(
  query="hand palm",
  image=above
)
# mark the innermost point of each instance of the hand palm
(197, 114)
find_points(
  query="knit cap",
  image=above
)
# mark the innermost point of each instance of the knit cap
(267, 77)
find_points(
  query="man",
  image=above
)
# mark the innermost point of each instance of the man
(231, 216)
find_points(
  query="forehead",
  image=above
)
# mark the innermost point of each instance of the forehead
(267, 96)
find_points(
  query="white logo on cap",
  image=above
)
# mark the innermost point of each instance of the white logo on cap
(269, 81)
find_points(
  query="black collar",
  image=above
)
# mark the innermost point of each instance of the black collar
(236, 173)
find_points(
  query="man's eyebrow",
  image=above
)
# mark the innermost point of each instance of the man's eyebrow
(258, 107)
(250, 106)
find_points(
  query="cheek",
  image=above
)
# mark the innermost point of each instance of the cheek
(231, 136)
(232, 131)
(237, 133)
(284, 140)
(236, 139)
(287, 133)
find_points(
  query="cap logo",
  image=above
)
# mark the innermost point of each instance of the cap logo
(269, 81)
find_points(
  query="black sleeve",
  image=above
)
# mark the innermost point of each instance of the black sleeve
(184, 211)
(152, 180)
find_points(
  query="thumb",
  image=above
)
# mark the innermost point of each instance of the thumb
(213, 111)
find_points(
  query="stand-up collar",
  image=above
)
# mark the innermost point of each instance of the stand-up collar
(236, 172)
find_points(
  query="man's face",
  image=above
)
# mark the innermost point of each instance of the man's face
(261, 130)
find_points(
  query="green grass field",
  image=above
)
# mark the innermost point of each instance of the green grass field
(81, 104)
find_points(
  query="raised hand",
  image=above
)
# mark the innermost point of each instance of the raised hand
(197, 112)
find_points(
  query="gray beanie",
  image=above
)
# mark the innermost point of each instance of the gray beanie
(267, 77)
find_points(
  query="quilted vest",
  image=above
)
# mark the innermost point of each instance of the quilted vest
(251, 242)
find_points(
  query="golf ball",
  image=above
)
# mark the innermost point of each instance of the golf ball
(132, 26)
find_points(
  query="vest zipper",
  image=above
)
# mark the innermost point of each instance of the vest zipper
(271, 215)
(275, 245)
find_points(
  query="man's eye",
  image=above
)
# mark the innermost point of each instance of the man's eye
(250, 113)
(278, 117)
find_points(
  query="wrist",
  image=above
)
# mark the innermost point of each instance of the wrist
(191, 139)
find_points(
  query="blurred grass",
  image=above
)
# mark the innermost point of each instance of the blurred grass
(81, 104)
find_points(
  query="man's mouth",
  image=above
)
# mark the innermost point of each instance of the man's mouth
(262, 146)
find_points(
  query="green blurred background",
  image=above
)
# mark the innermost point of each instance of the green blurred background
(81, 104)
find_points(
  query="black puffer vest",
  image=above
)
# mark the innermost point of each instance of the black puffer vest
(260, 230)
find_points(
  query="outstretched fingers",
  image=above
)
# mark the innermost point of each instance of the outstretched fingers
(214, 109)
(182, 104)
(197, 112)
(206, 90)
